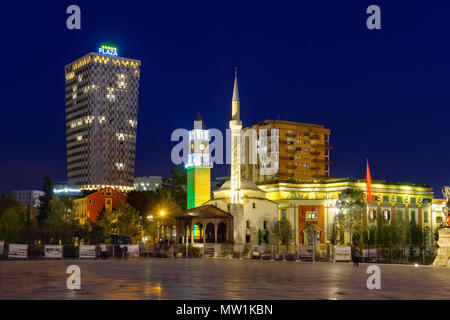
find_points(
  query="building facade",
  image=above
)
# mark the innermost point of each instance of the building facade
(150, 183)
(28, 197)
(304, 152)
(101, 121)
(199, 165)
(91, 206)
(316, 202)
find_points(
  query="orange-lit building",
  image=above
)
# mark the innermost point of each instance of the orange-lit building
(91, 206)
(304, 152)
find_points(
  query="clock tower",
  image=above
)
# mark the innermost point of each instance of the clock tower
(198, 166)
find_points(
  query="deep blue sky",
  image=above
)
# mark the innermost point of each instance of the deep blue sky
(385, 94)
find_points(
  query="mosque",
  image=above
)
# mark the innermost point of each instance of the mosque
(239, 209)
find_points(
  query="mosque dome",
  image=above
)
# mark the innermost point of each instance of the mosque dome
(248, 187)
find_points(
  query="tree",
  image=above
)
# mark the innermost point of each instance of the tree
(122, 220)
(311, 230)
(8, 202)
(11, 225)
(59, 224)
(176, 184)
(399, 231)
(283, 232)
(352, 206)
(129, 221)
(385, 230)
(44, 209)
(331, 233)
(415, 234)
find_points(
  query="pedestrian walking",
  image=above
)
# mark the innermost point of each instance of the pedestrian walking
(97, 251)
(356, 255)
(125, 252)
(103, 248)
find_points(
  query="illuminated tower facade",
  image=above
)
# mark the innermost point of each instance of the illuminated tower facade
(198, 166)
(101, 120)
(236, 206)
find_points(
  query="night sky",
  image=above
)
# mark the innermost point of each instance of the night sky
(385, 94)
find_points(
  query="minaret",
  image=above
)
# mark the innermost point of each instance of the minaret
(235, 126)
(236, 206)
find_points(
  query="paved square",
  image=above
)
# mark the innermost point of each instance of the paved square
(153, 278)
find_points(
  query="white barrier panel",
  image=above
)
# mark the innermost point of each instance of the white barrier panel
(18, 251)
(370, 255)
(305, 253)
(133, 250)
(343, 253)
(53, 251)
(2, 246)
(87, 251)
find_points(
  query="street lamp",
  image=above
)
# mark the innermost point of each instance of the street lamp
(162, 214)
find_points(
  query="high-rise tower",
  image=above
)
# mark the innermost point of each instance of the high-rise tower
(101, 120)
(199, 165)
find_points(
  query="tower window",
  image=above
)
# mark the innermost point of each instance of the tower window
(254, 205)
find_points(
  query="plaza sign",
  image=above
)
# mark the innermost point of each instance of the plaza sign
(108, 50)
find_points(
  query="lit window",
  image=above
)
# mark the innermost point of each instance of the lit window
(110, 94)
(79, 138)
(121, 84)
(120, 166)
(311, 215)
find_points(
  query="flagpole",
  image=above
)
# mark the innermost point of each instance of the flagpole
(367, 197)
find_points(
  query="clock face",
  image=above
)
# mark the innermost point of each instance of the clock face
(202, 146)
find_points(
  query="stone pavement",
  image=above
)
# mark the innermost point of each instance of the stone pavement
(154, 278)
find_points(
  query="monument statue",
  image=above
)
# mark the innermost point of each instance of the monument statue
(446, 192)
(443, 254)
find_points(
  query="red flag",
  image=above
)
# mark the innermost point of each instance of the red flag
(368, 182)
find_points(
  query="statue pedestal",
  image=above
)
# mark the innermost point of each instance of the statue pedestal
(443, 254)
